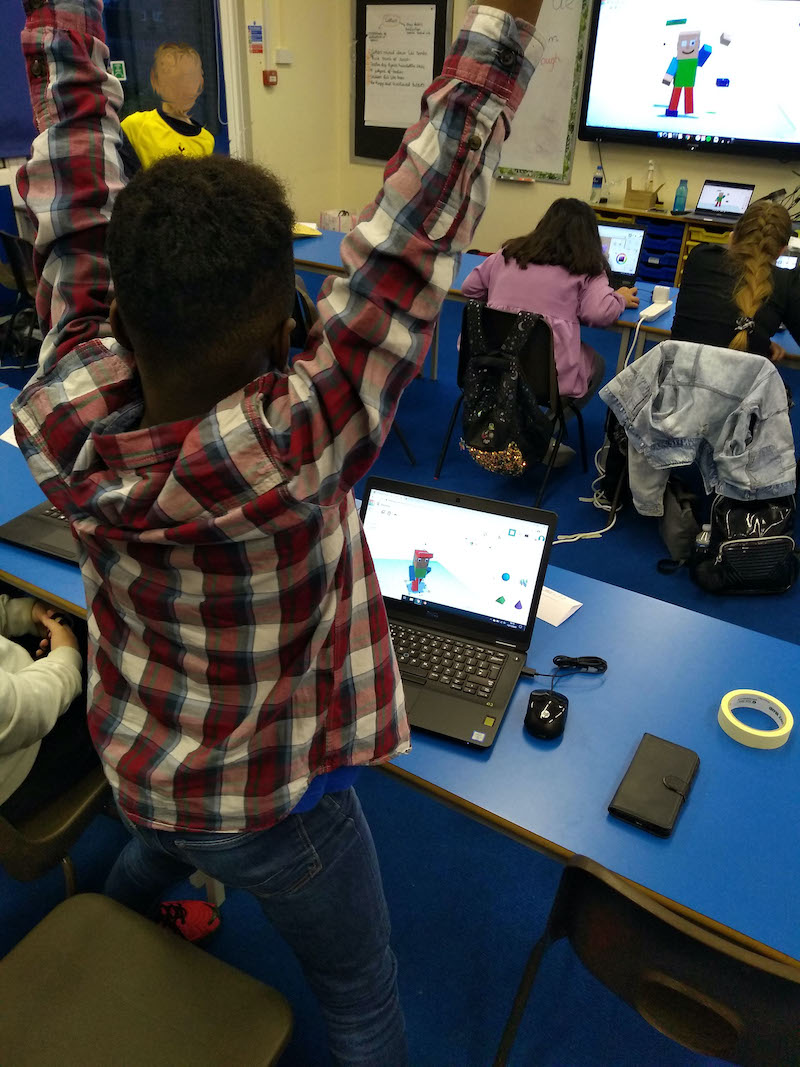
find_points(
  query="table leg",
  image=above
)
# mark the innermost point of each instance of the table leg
(434, 353)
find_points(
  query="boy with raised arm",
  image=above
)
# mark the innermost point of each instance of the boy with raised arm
(240, 663)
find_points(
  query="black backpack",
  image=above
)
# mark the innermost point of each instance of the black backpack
(504, 429)
(749, 547)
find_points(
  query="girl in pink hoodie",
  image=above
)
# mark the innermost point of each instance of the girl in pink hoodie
(558, 271)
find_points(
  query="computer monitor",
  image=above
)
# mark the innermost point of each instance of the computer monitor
(622, 247)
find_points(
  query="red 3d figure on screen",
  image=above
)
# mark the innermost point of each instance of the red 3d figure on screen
(418, 569)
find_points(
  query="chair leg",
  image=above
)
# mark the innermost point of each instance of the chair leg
(6, 345)
(582, 439)
(521, 1000)
(68, 870)
(448, 435)
(401, 437)
(551, 462)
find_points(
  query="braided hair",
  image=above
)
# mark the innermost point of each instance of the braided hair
(757, 241)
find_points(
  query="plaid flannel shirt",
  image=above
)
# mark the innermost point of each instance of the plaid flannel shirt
(238, 641)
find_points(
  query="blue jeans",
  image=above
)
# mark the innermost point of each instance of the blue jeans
(317, 880)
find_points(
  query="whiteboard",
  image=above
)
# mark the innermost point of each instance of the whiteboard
(542, 139)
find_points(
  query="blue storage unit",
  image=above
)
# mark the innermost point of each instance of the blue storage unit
(660, 250)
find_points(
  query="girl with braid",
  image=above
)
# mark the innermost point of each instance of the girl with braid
(734, 296)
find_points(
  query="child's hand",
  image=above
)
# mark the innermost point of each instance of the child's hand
(629, 296)
(58, 634)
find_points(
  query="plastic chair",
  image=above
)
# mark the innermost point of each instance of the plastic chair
(702, 989)
(305, 314)
(20, 259)
(30, 849)
(95, 984)
(539, 367)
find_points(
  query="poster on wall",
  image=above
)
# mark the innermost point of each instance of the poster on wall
(399, 63)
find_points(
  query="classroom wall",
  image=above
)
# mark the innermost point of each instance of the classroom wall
(296, 127)
(315, 96)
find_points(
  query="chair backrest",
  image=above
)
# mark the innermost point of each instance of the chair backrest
(703, 990)
(30, 849)
(536, 358)
(19, 254)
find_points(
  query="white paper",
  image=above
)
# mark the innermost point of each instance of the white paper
(399, 62)
(9, 438)
(555, 608)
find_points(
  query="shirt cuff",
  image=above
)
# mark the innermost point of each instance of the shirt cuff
(497, 52)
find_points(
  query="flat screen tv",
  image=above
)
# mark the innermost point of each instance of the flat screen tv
(716, 75)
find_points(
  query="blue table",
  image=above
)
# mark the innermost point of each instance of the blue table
(322, 255)
(733, 858)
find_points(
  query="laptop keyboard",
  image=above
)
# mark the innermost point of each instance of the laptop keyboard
(460, 665)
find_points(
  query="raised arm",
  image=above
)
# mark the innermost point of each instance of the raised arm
(329, 417)
(73, 176)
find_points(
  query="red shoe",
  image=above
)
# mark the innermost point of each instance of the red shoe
(193, 920)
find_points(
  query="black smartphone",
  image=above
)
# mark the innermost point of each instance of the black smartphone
(655, 785)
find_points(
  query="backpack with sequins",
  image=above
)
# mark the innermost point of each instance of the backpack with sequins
(503, 427)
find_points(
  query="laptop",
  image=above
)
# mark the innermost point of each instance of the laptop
(461, 578)
(622, 247)
(45, 529)
(722, 202)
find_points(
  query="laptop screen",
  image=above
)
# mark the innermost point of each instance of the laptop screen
(719, 196)
(456, 562)
(622, 246)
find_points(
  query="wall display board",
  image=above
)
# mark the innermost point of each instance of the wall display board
(400, 46)
(542, 139)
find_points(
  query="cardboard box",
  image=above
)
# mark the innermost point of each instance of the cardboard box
(640, 199)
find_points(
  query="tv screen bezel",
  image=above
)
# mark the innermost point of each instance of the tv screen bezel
(779, 150)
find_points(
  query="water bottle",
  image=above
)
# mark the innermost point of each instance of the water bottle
(680, 196)
(597, 185)
(650, 184)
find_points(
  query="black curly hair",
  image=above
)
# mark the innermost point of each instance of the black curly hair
(201, 259)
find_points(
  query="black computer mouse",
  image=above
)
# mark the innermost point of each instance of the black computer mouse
(546, 716)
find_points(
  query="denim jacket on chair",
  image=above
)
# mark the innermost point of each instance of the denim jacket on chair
(727, 410)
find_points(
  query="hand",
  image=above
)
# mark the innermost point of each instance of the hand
(629, 296)
(667, 79)
(520, 9)
(58, 634)
(776, 352)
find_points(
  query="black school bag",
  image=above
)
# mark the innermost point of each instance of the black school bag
(750, 547)
(503, 428)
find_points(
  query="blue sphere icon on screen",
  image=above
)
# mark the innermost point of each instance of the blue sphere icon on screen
(505, 576)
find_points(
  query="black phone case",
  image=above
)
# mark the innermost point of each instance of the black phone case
(655, 785)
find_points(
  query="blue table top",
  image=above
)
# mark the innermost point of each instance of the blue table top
(734, 855)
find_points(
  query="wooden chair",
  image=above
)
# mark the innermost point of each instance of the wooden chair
(702, 989)
(30, 849)
(19, 254)
(95, 984)
(539, 367)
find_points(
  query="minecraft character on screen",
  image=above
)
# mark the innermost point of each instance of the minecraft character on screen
(418, 569)
(682, 71)
(719, 199)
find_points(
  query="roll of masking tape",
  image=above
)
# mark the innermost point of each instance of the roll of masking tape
(749, 735)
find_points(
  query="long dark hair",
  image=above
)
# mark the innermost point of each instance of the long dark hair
(566, 236)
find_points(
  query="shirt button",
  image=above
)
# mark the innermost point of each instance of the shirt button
(507, 57)
(38, 68)
(474, 142)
